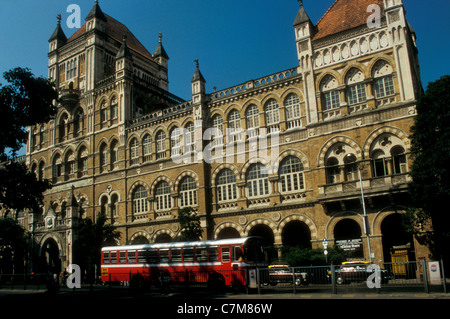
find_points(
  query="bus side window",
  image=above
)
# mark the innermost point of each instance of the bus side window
(142, 256)
(122, 257)
(201, 254)
(237, 253)
(226, 255)
(114, 257)
(164, 255)
(131, 256)
(213, 253)
(175, 254)
(188, 254)
(153, 256)
(106, 257)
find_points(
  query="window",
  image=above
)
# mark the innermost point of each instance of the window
(134, 151)
(234, 125)
(162, 197)
(175, 254)
(252, 115)
(190, 137)
(41, 171)
(356, 94)
(164, 256)
(106, 257)
(122, 257)
(114, 108)
(140, 200)
(384, 87)
(213, 254)
(331, 100)
(70, 163)
(383, 80)
(147, 148)
(292, 109)
(175, 141)
(226, 255)
(83, 161)
(160, 145)
(71, 69)
(188, 192)
(398, 160)
(237, 253)
(57, 166)
(257, 181)
(103, 157)
(188, 254)
(217, 123)
(113, 257)
(350, 167)
(291, 175)
(114, 210)
(333, 171)
(114, 153)
(330, 93)
(226, 186)
(131, 255)
(272, 112)
(201, 254)
(379, 164)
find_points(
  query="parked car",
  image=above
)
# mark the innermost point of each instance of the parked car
(357, 271)
(284, 274)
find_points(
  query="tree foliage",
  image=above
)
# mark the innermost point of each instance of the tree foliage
(300, 256)
(430, 186)
(91, 238)
(191, 229)
(13, 244)
(25, 101)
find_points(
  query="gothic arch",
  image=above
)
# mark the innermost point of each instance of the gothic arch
(338, 139)
(375, 227)
(262, 221)
(221, 167)
(291, 152)
(140, 233)
(56, 237)
(291, 90)
(162, 231)
(390, 130)
(159, 179)
(184, 174)
(136, 184)
(305, 219)
(233, 225)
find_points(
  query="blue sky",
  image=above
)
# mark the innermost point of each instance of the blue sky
(235, 41)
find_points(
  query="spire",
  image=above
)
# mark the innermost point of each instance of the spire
(160, 52)
(302, 16)
(96, 12)
(124, 51)
(197, 75)
(58, 33)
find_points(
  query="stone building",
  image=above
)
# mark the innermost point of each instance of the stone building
(287, 156)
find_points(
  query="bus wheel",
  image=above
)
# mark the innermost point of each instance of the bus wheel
(216, 282)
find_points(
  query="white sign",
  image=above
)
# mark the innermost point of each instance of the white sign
(325, 243)
(435, 273)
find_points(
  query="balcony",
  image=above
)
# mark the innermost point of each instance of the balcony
(69, 97)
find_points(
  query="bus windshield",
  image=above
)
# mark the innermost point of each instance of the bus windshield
(254, 251)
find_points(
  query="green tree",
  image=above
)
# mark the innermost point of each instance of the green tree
(25, 101)
(13, 244)
(430, 186)
(300, 256)
(91, 238)
(191, 229)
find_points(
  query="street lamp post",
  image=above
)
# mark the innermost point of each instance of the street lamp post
(351, 158)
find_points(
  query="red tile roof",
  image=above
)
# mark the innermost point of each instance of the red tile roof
(116, 30)
(344, 15)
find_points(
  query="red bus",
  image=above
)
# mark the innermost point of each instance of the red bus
(218, 263)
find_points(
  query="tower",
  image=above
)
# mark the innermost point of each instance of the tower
(304, 32)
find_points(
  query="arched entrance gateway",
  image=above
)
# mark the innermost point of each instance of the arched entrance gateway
(398, 245)
(347, 236)
(50, 256)
(296, 233)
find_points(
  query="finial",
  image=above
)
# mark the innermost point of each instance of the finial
(196, 63)
(124, 37)
(58, 18)
(300, 2)
(160, 37)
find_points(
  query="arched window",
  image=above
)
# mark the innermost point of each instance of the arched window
(189, 135)
(252, 117)
(134, 151)
(63, 127)
(356, 89)
(114, 108)
(234, 126)
(292, 109)
(147, 148)
(291, 175)
(257, 181)
(217, 123)
(82, 161)
(57, 166)
(379, 163)
(383, 81)
(160, 145)
(398, 160)
(226, 188)
(333, 171)
(78, 122)
(350, 167)
(162, 197)
(104, 206)
(114, 208)
(271, 110)
(103, 157)
(188, 192)
(330, 93)
(70, 164)
(175, 142)
(140, 204)
(41, 171)
(114, 153)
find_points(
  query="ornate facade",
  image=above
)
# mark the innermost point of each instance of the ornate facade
(313, 138)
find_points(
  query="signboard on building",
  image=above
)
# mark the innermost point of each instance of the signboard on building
(352, 246)
(435, 273)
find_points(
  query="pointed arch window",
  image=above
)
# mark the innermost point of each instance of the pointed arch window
(234, 125)
(160, 145)
(252, 117)
(292, 109)
(272, 113)
(257, 181)
(163, 201)
(330, 93)
(147, 148)
(291, 175)
(356, 89)
(383, 80)
(134, 151)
